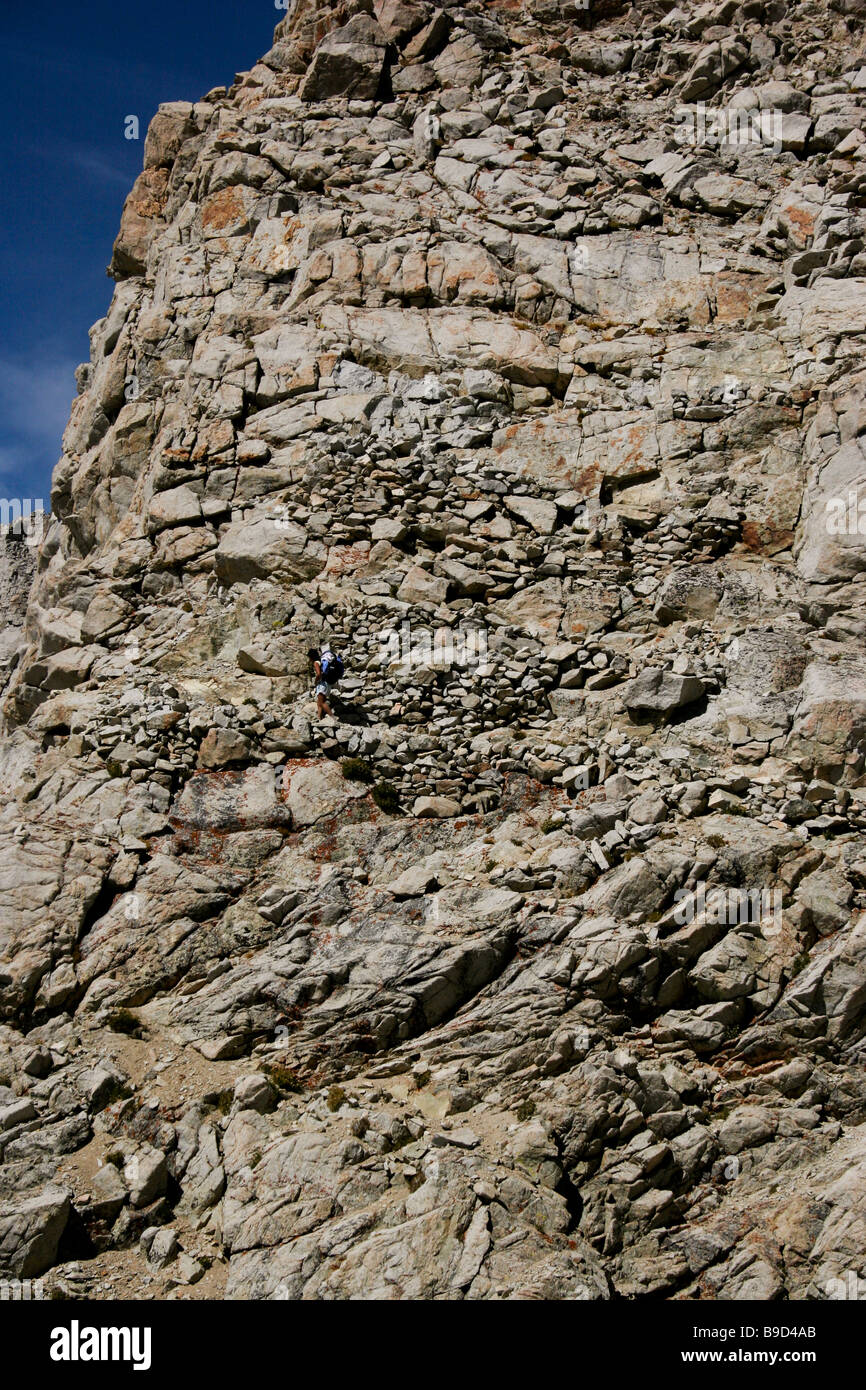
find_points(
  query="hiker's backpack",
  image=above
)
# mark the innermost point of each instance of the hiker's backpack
(333, 668)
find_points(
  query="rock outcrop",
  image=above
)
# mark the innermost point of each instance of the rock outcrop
(516, 350)
(17, 566)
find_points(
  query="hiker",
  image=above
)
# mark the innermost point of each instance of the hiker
(328, 668)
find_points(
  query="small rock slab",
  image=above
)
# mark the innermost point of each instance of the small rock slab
(316, 790)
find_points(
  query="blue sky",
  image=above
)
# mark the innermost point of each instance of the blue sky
(71, 75)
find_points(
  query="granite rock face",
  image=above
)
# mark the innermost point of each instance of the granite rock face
(517, 351)
(17, 566)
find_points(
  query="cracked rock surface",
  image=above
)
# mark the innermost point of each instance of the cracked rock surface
(539, 969)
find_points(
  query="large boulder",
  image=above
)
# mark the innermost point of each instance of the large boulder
(832, 537)
(314, 790)
(537, 513)
(264, 546)
(220, 747)
(139, 223)
(659, 692)
(713, 65)
(831, 714)
(347, 63)
(419, 586)
(231, 800)
(30, 1232)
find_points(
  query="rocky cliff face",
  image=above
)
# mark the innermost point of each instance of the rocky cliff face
(17, 564)
(517, 350)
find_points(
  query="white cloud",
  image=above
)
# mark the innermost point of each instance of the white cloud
(92, 162)
(35, 401)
